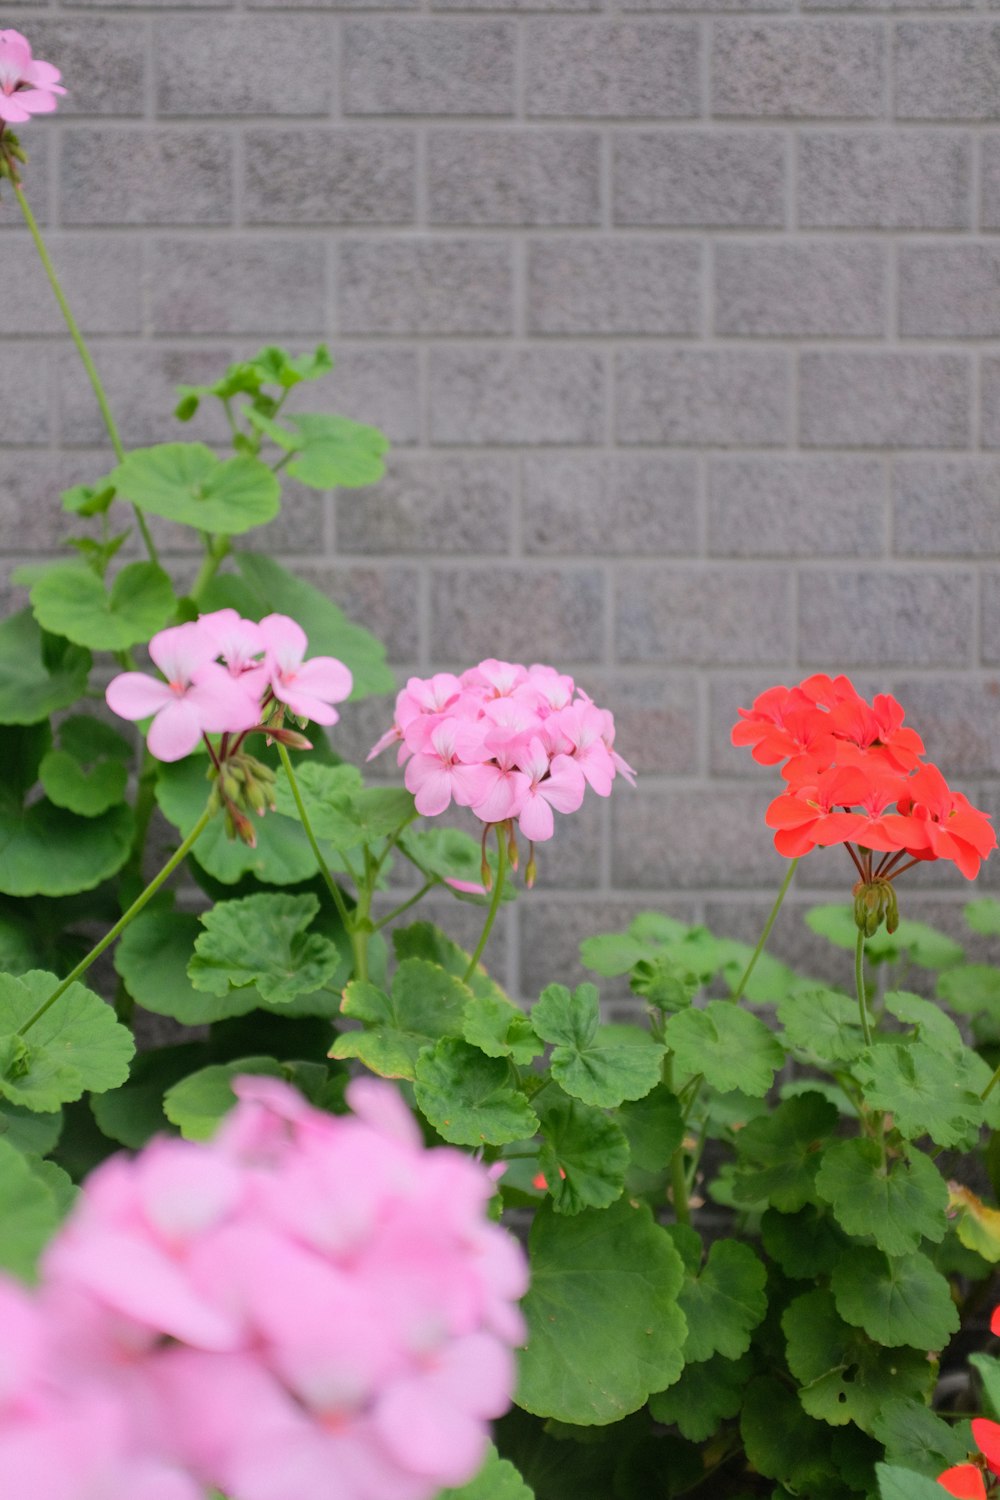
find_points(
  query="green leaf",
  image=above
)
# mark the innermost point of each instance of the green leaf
(898, 1203)
(89, 772)
(29, 1132)
(972, 989)
(275, 366)
(263, 940)
(599, 1064)
(46, 851)
(924, 1089)
(918, 1439)
(932, 1025)
(337, 453)
(424, 940)
(497, 1480)
(152, 958)
(983, 916)
(706, 1394)
(76, 1044)
(605, 1329)
(498, 1028)
(784, 1443)
(467, 1096)
(843, 1376)
(39, 674)
(987, 1367)
(612, 953)
(29, 1215)
(73, 601)
(896, 1483)
(451, 854)
(185, 482)
(780, 1153)
(731, 1047)
(724, 1302)
(654, 1128)
(133, 1113)
(87, 500)
(805, 1244)
(822, 1023)
(279, 435)
(902, 1300)
(584, 1156)
(426, 1005)
(328, 629)
(923, 945)
(199, 1101)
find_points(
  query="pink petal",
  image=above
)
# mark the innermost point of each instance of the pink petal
(325, 677)
(535, 819)
(430, 784)
(223, 703)
(286, 641)
(175, 731)
(136, 695)
(565, 786)
(180, 650)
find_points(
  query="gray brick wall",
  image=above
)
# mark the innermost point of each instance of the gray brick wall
(685, 325)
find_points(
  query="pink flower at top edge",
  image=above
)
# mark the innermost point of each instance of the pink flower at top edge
(307, 688)
(197, 697)
(28, 86)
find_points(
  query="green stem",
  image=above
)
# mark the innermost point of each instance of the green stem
(331, 884)
(859, 980)
(82, 350)
(738, 992)
(987, 1091)
(361, 928)
(384, 921)
(215, 550)
(140, 901)
(678, 1175)
(494, 904)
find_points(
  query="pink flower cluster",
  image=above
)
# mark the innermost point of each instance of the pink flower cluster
(28, 86)
(222, 673)
(308, 1305)
(507, 741)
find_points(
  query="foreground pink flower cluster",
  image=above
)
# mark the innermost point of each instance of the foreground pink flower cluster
(310, 1305)
(507, 741)
(224, 675)
(28, 86)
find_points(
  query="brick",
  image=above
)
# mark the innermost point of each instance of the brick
(333, 5)
(990, 180)
(947, 70)
(362, 724)
(798, 69)
(379, 386)
(610, 505)
(703, 616)
(706, 396)
(514, 177)
(990, 616)
(796, 506)
(803, 290)
(656, 717)
(36, 177)
(552, 931)
(619, 68)
(434, 503)
(516, 396)
(299, 530)
(100, 275)
(691, 837)
(102, 62)
(26, 375)
(957, 721)
(162, 175)
(430, 286)
(990, 397)
(142, 4)
(612, 285)
(429, 67)
(873, 617)
(887, 5)
(871, 180)
(330, 176)
(211, 286)
(791, 940)
(517, 613)
(699, 179)
(31, 517)
(141, 385)
(515, 5)
(946, 507)
(952, 290)
(572, 859)
(676, 6)
(211, 65)
(383, 600)
(884, 400)
(463, 923)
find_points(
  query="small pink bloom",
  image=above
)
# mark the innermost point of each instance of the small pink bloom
(555, 784)
(579, 731)
(198, 695)
(308, 688)
(28, 86)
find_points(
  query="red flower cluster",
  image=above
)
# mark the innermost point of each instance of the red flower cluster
(855, 776)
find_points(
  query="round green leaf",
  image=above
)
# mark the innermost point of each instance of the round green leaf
(152, 958)
(497, 1480)
(72, 601)
(724, 1302)
(89, 771)
(779, 1153)
(654, 1127)
(29, 1215)
(584, 1156)
(199, 1101)
(601, 1065)
(262, 940)
(337, 453)
(46, 851)
(822, 1023)
(467, 1096)
(924, 1088)
(133, 1113)
(899, 1301)
(731, 1047)
(38, 674)
(185, 482)
(426, 1004)
(897, 1483)
(898, 1204)
(918, 1438)
(76, 1044)
(605, 1328)
(706, 1393)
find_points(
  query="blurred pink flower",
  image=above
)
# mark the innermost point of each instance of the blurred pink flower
(307, 688)
(28, 86)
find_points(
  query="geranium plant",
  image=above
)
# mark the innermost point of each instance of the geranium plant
(732, 1241)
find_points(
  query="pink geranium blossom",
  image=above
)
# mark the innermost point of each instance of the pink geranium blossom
(198, 695)
(308, 688)
(28, 86)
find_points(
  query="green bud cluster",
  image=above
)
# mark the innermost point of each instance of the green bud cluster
(243, 785)
(875, 903)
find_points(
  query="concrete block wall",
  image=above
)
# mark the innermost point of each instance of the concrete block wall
(683, 317)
